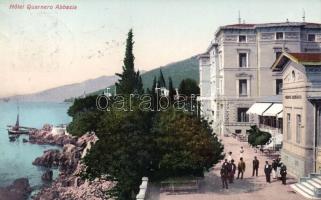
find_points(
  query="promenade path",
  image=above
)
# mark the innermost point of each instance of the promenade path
(250, 188)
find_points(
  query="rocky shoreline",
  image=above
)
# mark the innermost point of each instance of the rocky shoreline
(68, 185)
(19, 190)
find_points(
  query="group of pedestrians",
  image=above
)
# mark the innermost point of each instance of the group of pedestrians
(228, 169)
(278, 170)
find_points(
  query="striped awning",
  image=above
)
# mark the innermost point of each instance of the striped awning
(258, 108)
(274, 110)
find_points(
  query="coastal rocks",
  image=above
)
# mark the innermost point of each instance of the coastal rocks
(19, 190)
(45, 137)
(69, 185)
(93, 190)
(47, 176)
(24, 140)
(50, 158)
(70, 158)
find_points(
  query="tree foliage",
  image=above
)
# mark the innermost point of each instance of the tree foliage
(137, 143)
(158, 145)
(124, 151)
(189, 87)
(257, 137)
(185, 144)
(171, 89)
(85, 116)
(130, 81)
(161, 79)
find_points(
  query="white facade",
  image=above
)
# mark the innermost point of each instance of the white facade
(235, 70)
(301, 150)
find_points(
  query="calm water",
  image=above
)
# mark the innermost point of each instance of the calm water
(16, 157)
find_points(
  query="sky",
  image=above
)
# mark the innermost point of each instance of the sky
(45, 48)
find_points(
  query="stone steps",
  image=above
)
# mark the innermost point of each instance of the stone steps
(308, 186)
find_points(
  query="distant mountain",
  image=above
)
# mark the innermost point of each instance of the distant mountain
(180, 70)
(59, 94)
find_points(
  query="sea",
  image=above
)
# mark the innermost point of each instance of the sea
(16, 157)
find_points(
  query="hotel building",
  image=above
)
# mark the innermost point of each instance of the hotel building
(235, 70)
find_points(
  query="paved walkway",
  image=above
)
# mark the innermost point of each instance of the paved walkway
(250, 188)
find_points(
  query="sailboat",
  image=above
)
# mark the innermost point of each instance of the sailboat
(17, 129)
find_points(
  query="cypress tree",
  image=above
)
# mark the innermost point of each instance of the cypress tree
(130, 81)
(171, 89)
(139, 87)
(182, 87)
(154, 85)
(161, 79)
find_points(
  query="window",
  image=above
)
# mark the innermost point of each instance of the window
(243, 87)
(278, 84)
(288, 127)
(242, 60)
(279, 36)
(311, 37)
(277, 54)
(241, 115)
(242, 38)
(298, 129)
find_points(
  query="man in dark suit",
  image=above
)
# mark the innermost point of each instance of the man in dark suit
(283, 173)
(267, 171)
(232, 171)
(225, 174)
(255, 166)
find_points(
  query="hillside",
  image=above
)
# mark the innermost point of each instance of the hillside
(61, 93)
(180, 70)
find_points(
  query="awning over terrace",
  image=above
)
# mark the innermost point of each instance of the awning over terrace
(280, 115)
(258, 108)
(274, 110)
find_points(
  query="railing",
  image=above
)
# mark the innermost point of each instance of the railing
(191, 185)
(143, 190)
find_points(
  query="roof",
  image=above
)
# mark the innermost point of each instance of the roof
(306, 59)
(265, 25)
(268, 25)
(203, 55)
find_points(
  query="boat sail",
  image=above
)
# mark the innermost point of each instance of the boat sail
(17, 129)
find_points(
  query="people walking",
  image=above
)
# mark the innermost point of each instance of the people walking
(232, 171)
(241, 168)
(255, 166)
(274, 169)
(283, 173)
(225, 173)
(267, 171)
